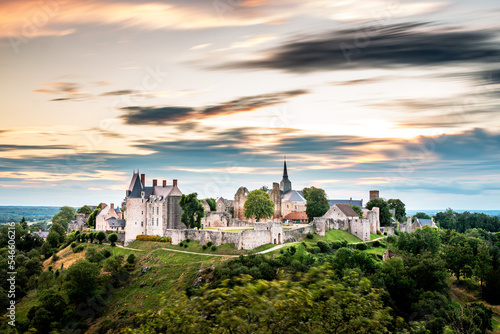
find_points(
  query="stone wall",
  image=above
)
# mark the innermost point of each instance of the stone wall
(297, 234)
(373, 217)
(216, 219)
(276, 198)
(239, 200)
(240, 223)
(251, 239)
(360, 228)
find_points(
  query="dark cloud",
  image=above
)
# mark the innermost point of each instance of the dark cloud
(4, 148)
(172, 114)
(120, 92)
(409, 44)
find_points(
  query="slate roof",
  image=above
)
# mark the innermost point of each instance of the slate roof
(359, 203)
(42, 234)
(293, 195)
(113, 222)
(425, 221)
(347, 210)
(135, 187)
(300, 215)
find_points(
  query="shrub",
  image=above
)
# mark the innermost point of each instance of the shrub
(213, 248)
(55, 257)
(316, 250)
(131, 259)
(385, 233)
(310, 235)
(106, 253)
(186, 245)
(376, 243)
(378, 232)
(209, 244)
(281, 251)
(323, 246)
(143, 237)
(101, 236)
(292, 250)
(361, 246)
(181, 244)
(204, 247)
(187, 240)
(93, 255)
(112, 238)
(73, 244)
(78, 248)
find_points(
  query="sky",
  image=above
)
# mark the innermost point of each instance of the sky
(397, 96)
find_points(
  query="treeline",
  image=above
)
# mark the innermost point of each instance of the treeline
(16, 213)
(462, 222)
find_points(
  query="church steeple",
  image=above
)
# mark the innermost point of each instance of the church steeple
(285, 184)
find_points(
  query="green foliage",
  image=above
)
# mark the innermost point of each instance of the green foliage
(63, 217)
(460, 254)
(204, 247)
(78, 248)
(323, 246)
(57, 235)
(316, 202)
(422, 215)
(462, 222)
(92, 217)
(100, 236)
(212, 204)
(209, 243)
(399, 207)
(81, 281)
(422, 240)
(213, 248)
(131, 259)
(112, 238)
(473, 318)
(258, 205)
(358, 210)
(106, 253)
(361, 246)
(309, 235)
(85, 209)
(192, 211)
(385, 214)
(93, 255)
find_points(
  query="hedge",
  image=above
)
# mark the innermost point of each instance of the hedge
(143, 237)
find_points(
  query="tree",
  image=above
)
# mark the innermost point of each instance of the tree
(459, 255)
(358, 210)
(264, 188)
(316, 202)
(56, 235)
(399, 207)
(63, 217)
(24, 224)
(92, 217)
(192, 211)
(212, 204)
(420, 241)
(100, 236)
(112, 238)
(385, 214)
(85, 209)
(81, 281)
(422, 215)
(258, 205)
(91, 237)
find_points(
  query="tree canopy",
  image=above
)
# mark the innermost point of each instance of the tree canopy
(258, 205)
(63, 217)
(85, 209)
(192, 211)
(212, 204)
(385, 214)
(399, 207)
(316, 202)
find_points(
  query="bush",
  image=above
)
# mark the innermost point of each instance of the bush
(209, 244)
(378, 232)
(323, 246)
(112, 238)
(78, 248)
(310, 235)
(281, 251)
(187, 240)
(143, 237)
(181, 244)
(292, 250)
(186, 245)
(361, 246)
(213, 248)
(385, 233)
(204, 247)
(55, 257)
(315, 250)
(131, 259)
(101, 236)
(338, 244)
(376, 243)
(93, 255)
(73, 244)
(106, 253)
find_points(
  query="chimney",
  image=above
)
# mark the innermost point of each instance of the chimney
(175, 183)
(350, 200)
(155, 183)
(164, 183)
(112, 206)
(103, 205)
(143, 180)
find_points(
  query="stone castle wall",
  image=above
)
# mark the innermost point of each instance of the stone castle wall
(239, 200)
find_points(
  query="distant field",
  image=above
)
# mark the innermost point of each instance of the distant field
(30, 213)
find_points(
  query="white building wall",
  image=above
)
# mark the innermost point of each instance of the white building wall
(136, 218)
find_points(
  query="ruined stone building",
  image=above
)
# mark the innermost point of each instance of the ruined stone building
(151, 210)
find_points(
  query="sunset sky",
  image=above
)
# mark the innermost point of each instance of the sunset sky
(398, 96)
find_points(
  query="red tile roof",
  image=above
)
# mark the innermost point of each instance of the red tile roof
(301, 215)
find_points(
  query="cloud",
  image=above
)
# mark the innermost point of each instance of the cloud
(4, 148)
(121, 92)
(72, 91)
(162, 115)
(391, 46)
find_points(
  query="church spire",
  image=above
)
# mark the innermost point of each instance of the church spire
(285, 184)
(285, 172)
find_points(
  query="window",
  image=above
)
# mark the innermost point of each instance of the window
(156, 221)
(142, 224)
(157, 210)
(152, 221)
(142, 212)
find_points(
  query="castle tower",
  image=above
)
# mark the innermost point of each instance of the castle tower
(239, 201)
(285, 184)
(276, 198)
